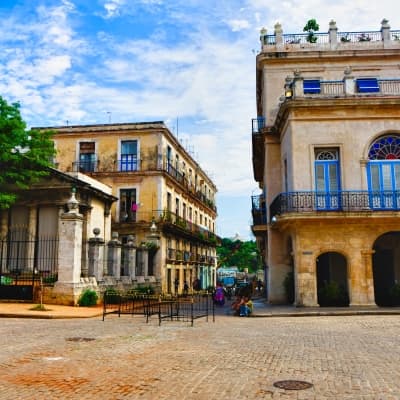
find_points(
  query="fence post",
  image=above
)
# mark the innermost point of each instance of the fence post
(114, 257)
(96, 245)
(130, 261)
(333, 34)
(385, 31)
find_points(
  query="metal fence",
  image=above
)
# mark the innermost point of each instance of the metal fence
(25, 261)
(164, 307)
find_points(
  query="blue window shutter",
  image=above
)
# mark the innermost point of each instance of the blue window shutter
(311, 86)
(367, 85)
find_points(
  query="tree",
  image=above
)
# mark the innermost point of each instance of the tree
(311, 27)
(239, 254)
(25, 155)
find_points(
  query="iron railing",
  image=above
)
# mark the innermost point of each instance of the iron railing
(347, 201)
(258, 210)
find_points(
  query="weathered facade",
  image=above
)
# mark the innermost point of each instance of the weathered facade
(326, 154)
(166, 202)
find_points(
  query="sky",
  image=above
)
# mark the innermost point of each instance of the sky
(189, 63)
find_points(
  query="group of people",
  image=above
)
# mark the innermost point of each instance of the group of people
(242, 306)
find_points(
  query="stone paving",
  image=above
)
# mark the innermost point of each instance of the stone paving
(344, 357)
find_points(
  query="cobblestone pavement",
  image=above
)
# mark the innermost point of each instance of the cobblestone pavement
(344, 357)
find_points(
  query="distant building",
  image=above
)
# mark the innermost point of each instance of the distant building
(166, 203)
(326, 154)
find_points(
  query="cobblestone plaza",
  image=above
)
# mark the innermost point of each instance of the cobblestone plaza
(344, 357)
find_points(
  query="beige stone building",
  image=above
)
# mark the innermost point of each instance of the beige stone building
(326, 155)
(166, 202)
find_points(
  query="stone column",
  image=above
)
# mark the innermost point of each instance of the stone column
(96, 256)
(305, 279)
(68, 287)
(385, 31)
(131, 257)
(297, 86)
(333, 34)
(278, 34)
(114, 257)
(366, 256)
(348, 79)
(70, 244)
(263, 37)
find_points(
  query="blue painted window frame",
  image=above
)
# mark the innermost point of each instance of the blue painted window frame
(327, 199)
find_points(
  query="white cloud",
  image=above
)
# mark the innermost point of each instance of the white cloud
(238, 24)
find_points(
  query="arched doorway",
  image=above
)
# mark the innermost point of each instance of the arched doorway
(332, 285)
(386, 269)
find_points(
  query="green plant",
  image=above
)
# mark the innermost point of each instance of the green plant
(332, 294)
(311, 27)
(88, 298)
(144, 289)
(112, 296)
(288, 284)
(50, 279)
(6, 280)
(395, 294)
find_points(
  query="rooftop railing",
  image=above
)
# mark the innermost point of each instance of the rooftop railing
(332, 38)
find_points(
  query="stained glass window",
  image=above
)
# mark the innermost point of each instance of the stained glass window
(385, 148)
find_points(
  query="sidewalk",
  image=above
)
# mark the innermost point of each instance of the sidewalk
(52, 311)
(261, 309)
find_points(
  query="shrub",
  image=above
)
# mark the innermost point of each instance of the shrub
(332, 294)
(88, 298)
(395, 294)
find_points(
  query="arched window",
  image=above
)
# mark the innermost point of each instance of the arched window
(385, 148)
(383, 172)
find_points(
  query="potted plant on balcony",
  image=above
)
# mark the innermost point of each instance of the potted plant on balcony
(311, 27)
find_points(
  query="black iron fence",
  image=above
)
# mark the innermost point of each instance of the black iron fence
(385, 200)
(26, 261)
(185, 308)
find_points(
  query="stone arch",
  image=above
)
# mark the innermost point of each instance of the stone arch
(332, 279)
(386, 267)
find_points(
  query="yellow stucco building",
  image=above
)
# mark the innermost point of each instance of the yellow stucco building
(166, 202)
(326, 155)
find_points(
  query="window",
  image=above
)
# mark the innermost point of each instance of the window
(367, 85)
(129, 161)
(127, 205)
(383, 172)
(327, 179)
(87, 157)
(311, 86)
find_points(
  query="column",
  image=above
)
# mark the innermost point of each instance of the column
(114, 257)
(333, 34)
(96, 259)
(130, 250)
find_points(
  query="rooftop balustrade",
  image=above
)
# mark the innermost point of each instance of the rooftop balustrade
(332, 39)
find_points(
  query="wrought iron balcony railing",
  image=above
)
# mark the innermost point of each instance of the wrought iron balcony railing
(346, 201)
(258, 210)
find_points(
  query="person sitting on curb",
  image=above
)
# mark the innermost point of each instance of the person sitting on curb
(246, 307)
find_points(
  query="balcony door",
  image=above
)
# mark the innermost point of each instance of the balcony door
(384, 184)
(129, 159)
(87, 157)
(383, 173)
(327, 179)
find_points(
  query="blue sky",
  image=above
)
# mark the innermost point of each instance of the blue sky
(190, 63)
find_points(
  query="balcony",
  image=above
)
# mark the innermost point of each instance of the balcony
(341, 201)
(134, 165)
(258, 210)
